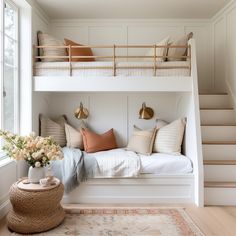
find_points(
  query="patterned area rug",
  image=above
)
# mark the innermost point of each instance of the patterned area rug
(126, 222)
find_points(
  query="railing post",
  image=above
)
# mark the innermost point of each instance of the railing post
(114, 60)
(190, 61)
(70, 60)
(155, 59)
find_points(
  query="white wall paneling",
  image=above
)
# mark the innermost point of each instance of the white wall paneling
(224, 35)
(118, 110)
(8, 175)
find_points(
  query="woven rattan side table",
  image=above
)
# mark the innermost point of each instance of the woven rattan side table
(36, 210)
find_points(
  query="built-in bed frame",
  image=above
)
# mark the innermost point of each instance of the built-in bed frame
(147, 188)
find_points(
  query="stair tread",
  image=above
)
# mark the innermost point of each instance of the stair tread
(217, 184)
(219, 142)
(218, 125)
(219, 162)
(213, 93)
(216, 109)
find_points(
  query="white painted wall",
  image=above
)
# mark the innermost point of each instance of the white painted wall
(224, 56)
(39, 100)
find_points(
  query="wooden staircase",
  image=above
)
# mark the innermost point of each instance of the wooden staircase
(219, 149)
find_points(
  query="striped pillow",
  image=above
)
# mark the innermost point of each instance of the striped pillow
(169, 138)
(74, 138)
(55, 129)
(48, 40)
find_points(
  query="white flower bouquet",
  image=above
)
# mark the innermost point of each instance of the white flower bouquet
(35, 150)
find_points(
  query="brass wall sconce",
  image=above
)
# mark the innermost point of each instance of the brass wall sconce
(146, 113)
(81, 112)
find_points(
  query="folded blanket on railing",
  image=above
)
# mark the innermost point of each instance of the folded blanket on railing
(78, 166)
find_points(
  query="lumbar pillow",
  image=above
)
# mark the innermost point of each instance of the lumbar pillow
(98, 142)
(53, 128)
(178, 52)
(74, 137)
(169, 138)
(159, 51)
(141, 141)
(48, 40)
(79, 51)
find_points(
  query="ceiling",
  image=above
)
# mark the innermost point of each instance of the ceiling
(131, 9)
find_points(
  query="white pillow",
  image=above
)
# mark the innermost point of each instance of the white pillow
(169, 138)
(178, 52)
(74, 138)
(48, 40)
(141, 141)
(159, 51)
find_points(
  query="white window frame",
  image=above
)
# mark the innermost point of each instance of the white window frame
(16, 66)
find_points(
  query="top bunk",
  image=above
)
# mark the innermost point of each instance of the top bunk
(119, 68)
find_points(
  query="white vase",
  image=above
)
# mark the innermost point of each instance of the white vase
(35, 174)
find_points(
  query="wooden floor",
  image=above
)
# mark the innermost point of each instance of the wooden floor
(213, 221)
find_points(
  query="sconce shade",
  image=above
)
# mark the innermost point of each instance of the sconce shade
(81, 112)
(146, 113)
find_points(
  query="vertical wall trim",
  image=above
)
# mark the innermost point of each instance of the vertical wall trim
(127, 120)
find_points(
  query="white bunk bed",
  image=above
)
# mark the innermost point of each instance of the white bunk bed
(180, 77)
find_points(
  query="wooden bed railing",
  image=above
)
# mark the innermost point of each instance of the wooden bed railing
(114, 56)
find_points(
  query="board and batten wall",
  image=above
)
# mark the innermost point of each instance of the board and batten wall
(39, 100)
(142, 31)
(119, 111)
(224, 32)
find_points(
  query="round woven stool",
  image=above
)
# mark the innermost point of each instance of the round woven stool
(35, 211)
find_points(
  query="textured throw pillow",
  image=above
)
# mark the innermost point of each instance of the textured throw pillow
(48, 40)
(141, 141)
(98, 142)
(53, 128)
(178, 52)
(74, 137)
(159, 51)
(169, 138)
(79, 51)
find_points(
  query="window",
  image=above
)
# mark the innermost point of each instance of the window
(9, 67)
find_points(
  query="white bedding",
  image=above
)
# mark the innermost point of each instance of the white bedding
(116, 163)
(160, 163)
(83, 68)
(121, 163)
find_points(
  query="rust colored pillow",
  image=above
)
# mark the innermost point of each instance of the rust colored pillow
(79, 51)
(98, 142)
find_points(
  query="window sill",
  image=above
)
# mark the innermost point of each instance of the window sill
(5, 161)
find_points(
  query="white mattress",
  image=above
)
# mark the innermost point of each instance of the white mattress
(83, 69)
(160, 163)
(121, 163)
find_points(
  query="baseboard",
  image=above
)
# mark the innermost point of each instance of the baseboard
(4, 208)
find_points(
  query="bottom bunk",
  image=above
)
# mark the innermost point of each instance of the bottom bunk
(121, 176)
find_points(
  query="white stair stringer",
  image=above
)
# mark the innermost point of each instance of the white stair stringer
(219, 149)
